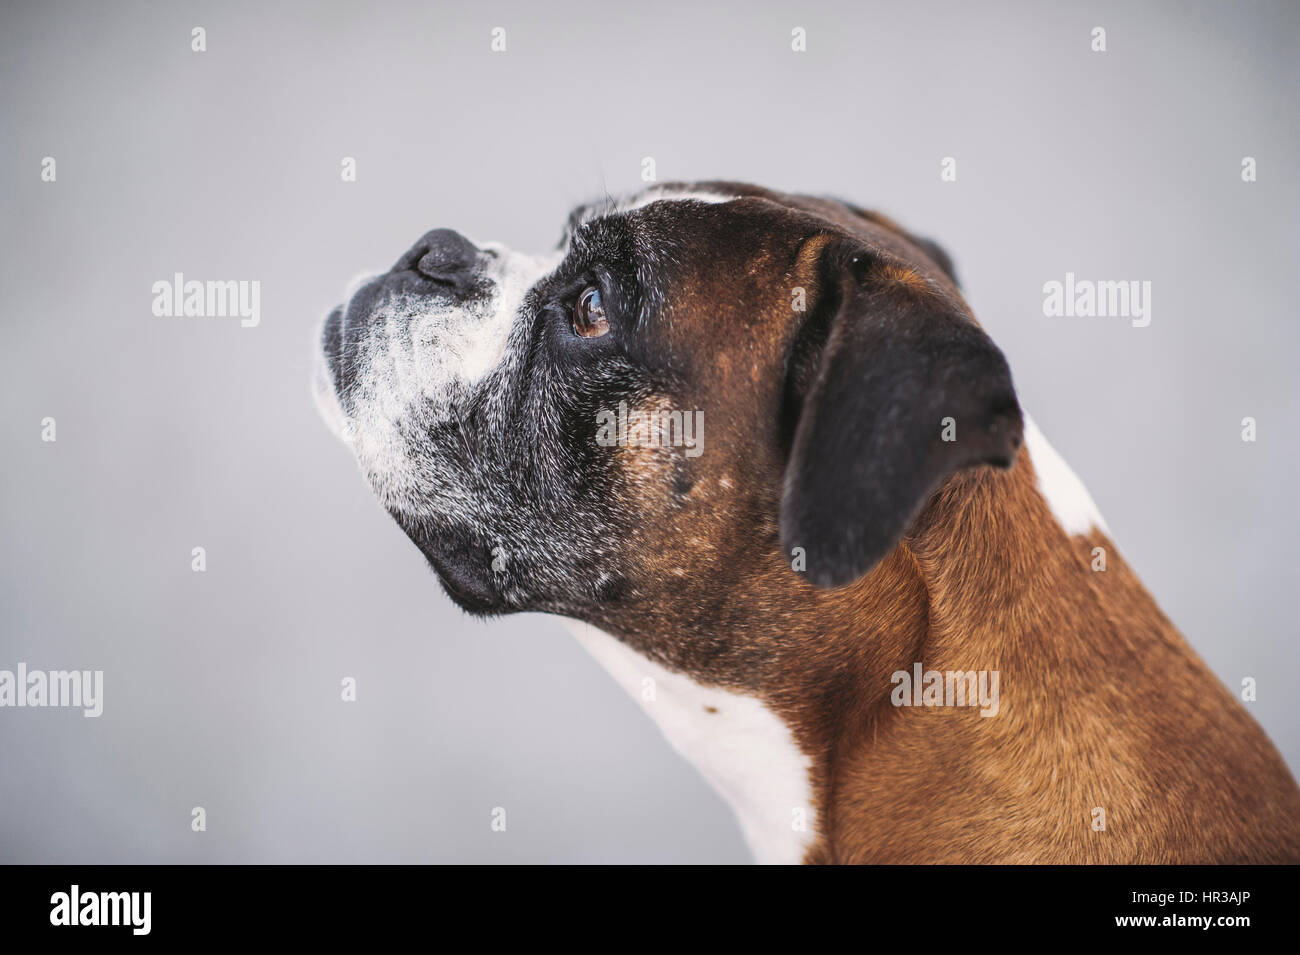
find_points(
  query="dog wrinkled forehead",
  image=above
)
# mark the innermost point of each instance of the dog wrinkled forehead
(646, 246)
(816, 212)
(590, 211)
(747, 219)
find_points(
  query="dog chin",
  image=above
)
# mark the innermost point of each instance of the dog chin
(477, 602)
(465, 587)
(469, 586)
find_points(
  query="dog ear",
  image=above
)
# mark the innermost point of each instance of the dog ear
(890, 388)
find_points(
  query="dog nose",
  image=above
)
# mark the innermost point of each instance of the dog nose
(443, 254)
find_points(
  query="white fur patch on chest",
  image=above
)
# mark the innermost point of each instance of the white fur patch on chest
(745, 751)
(1071, 504)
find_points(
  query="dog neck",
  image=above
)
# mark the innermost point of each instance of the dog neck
(986, 570)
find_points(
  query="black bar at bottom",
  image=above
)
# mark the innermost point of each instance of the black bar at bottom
(944, 905)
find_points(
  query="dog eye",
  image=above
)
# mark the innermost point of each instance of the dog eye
(589, 319)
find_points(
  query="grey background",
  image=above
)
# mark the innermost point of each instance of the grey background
(222, 688)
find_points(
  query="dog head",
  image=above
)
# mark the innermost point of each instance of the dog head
(703, 380)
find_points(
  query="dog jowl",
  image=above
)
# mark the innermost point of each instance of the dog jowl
(870, 494)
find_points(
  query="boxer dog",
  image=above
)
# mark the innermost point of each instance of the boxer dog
(757, 447)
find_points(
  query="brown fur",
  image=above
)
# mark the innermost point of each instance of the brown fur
(1103, 703)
